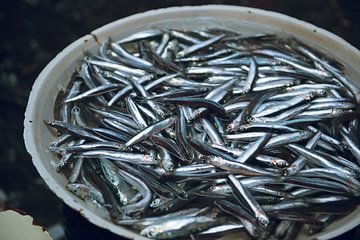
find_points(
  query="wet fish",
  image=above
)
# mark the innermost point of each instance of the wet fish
(257, 131)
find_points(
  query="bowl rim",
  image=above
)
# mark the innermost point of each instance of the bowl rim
(29, 134)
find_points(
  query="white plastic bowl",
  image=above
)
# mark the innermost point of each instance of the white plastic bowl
(58, 71)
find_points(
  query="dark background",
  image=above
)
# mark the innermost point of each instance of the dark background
(32, 32)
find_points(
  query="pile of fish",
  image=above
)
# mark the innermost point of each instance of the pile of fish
(199, 133)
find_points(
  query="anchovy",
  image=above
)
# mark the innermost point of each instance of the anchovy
(315, 158)
(211, 132)
(116, 183)
(95, 92)
(131, 60)
(142, 188)
(73, 130)
(287, 138)
(179, 93)
(242, 193)
(187, 83)
(319, 184)
(199, 46)
(351, 145)
(286, 206)
(332, 70)
(83, 191)
(294, 101)
(89, 81)
(167, 162)
(239, 168)
(169, 145)
(75, 172)
(328, 173)
(299, 163)
(145, 222)
(126, 90)
(282, 116)
(140, 91)
(117, 67)
(118, 126)
(212, 106)
(236, 210)
(151, 130)
(245, 136)
(266, 127)
(178, 227)
(251, 76)
(258, 131)
(88, 146)
(137, 158)
(144, 34)
(222, 230)
(253, 148)
(65, 110)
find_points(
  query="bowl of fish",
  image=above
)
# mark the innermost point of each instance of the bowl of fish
(205, 122)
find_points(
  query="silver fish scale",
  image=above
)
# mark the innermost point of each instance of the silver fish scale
(210, 132)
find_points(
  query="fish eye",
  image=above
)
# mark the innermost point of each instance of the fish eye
(230, 127)
(322, 92)
(151, 234)
(184, 193)
(287, 171)
(171, 167)
(75, 110)
(202, 158)
(264, 222)
(160, 113)
(155, 202)
(251, 119)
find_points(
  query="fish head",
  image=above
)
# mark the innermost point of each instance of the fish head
(253, 119)
(203, 158)
(279, 163)
(230, 127)
(149, 159)
(72, 187)
(77, 190)
(49, 122)
(310, 96)
(152, 231)
(169, 166)
(56, 149)
(160, 171)
(263, 221)
(75, 110)
(290, 171)
(155, 203)
(322, 92)
(171, 133)
(160, 112)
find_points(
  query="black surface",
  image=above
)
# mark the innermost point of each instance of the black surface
(77, 228)
(32, 32)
